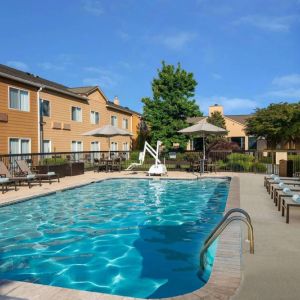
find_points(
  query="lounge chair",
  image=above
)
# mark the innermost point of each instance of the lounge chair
(25, 170)
(5, 174)
(268, 180)
(5, 182)
(278, 185)
(284, 192)
(287, 203)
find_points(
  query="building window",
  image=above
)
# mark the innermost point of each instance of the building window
(45, 108)
(18, 99)
(95, 117)
(125, 123)
(76, 146)
(95, 146)
(252, 143)
(114, 146)
(19, 146)
(76, 114)
(46, 146)
(114, 121)
(125, 146)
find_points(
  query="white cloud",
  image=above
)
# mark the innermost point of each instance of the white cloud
(216, 76)
(285, 87)
(51, 66)
(124, 36)
(287, 80)
(286, 94)
(268, 23)
(101, 77)
(174, 41)
(93, 7)
(233, 105)
(18, 65)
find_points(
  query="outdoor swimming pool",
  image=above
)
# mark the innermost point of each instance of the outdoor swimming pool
(138, 238)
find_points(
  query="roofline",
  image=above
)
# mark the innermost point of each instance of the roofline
(129, 111)
(42, 86)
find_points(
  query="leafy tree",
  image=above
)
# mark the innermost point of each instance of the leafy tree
(217, 119)
(172, 102)
(143, 133)
(277, 123)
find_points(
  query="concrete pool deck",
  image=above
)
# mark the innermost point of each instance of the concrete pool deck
(271, 273)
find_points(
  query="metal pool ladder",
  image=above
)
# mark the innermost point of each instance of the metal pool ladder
(220, 228)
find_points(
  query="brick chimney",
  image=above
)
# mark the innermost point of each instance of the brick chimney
(214, 108)
(116, 100)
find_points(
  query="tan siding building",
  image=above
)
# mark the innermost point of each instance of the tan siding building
(65, 115)
(18, 117)
(235, 125)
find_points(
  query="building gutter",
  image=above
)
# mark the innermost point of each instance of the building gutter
(43, 86)
(40, 122)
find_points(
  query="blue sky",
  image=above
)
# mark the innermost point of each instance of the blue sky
(244, 54)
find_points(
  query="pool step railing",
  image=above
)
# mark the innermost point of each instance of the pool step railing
(226, 220)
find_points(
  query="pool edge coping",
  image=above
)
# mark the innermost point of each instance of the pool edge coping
(223, 283)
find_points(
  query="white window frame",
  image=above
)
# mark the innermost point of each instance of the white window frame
(77, 142)
(93, 115)
(79, 108)
(114, 143)
(19, 89)
(50, 145)
(99, 145)
(19, 146)
(127, 146)
(125, 122)
(50, 108)
(115, 118)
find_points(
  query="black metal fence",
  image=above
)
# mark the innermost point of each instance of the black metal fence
(242, 161)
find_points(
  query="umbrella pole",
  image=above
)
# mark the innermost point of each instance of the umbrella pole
(203, 147)
(109, 147)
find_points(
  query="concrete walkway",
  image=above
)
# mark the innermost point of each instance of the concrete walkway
(273, 272)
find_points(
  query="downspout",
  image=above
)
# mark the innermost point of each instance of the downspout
(40, 122)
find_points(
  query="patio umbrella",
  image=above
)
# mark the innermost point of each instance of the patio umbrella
(108, 131)
(203, 128)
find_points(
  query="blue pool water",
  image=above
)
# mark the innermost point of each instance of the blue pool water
(128, 237)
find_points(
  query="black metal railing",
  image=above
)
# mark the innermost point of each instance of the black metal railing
(223, 160)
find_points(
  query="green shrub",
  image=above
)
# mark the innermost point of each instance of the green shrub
(240, 157)
(134, 155)
(258, 167)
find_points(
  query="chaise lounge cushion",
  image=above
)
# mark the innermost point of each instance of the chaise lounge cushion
(30, 176)
(296, 198)
(51, 174)
(4, 180)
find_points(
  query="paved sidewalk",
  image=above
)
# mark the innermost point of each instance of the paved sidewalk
(273, 272)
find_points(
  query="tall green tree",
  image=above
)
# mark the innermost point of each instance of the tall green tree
(171, 104)
(217, 119)
(277, 123)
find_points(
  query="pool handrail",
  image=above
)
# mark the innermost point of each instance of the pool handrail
(231, 211)
(221, 227)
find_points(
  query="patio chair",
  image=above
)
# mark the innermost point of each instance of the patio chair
(99, 165)
(5, 174)
(5, 182)
(211, 167)
(116, 164)
(25, 170)
(287, 203)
